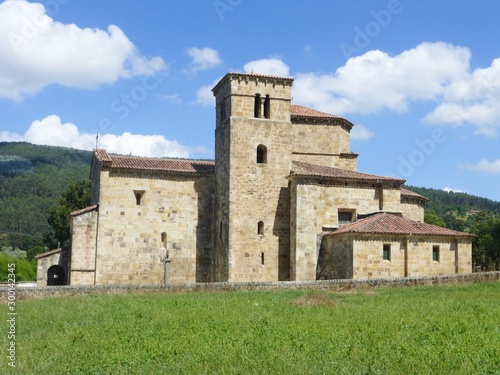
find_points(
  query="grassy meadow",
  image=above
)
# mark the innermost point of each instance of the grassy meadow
(441, 329)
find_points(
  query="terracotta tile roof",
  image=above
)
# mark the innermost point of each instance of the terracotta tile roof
(156, 164)
(102, 155)
(411, 194)
(84, 210)
(305, 112)
(384, 223)
(311, 170)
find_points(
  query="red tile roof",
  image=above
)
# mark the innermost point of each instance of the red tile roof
(411, 194)
(311, 170)
(156, 164)
(305, 112)
(384, 223)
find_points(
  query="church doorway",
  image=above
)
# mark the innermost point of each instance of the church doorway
(56, 276)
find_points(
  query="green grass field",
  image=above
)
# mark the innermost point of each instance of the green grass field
(443, 329)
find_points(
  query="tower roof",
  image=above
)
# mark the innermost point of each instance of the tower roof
(250, 76)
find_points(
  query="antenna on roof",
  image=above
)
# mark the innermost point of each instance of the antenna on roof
(97, 141)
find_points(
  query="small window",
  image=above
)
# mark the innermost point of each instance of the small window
(164, 239)
(260, 228)
(261, 154)
(345, 217)
(267, 107)
(257, 106)
(386, 252)
(435, 253)
(139, 197)
(222, 110)
(262, 258)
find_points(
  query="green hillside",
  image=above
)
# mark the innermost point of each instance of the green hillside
(32, 179)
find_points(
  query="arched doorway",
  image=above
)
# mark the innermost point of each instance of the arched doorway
(56, 276)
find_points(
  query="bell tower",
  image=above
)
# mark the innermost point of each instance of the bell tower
(253, 143)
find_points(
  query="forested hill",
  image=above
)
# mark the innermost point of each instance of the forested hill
(32, 179)
(443, 202)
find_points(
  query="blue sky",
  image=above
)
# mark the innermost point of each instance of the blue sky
(419, 79)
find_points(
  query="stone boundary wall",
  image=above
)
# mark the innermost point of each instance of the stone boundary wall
(333, 285)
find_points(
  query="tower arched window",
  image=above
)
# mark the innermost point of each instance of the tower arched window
(257, 106)
(261, 154)
(267, 107)
(260, 228)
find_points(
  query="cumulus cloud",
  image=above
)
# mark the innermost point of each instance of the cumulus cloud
(53, 132)
(448, 190)
(361, 133)
(205, 96)
(484, 165)
(376, 80)
(272, 67)
(431, 72)
(203, 58)
(36, 51)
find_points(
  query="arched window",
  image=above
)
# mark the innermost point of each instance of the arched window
(261, 154)
(164, 239)
(267, 107)
(257, 106)
(260, 228)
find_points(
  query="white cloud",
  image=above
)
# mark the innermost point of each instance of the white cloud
(36, 51)
(447, 189)
(376, 80)
(432, 72)
(205, 96)
(204, 58)
(361, 133)
(271, 67)
(51, 131)
(484, 165)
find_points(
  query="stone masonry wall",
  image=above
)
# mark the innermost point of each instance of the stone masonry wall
(409, 256)
(259, 193)
(83, 248)
(320, 143)
(251, 192)
(175, 211)
(412, 209)
(331, 285)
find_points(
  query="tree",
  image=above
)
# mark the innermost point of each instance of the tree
(486, 245)
(431, 217)
(75, 198)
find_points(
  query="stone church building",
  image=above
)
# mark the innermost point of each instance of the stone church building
(283, 200)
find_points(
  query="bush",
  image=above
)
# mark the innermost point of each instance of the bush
(25, 270)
